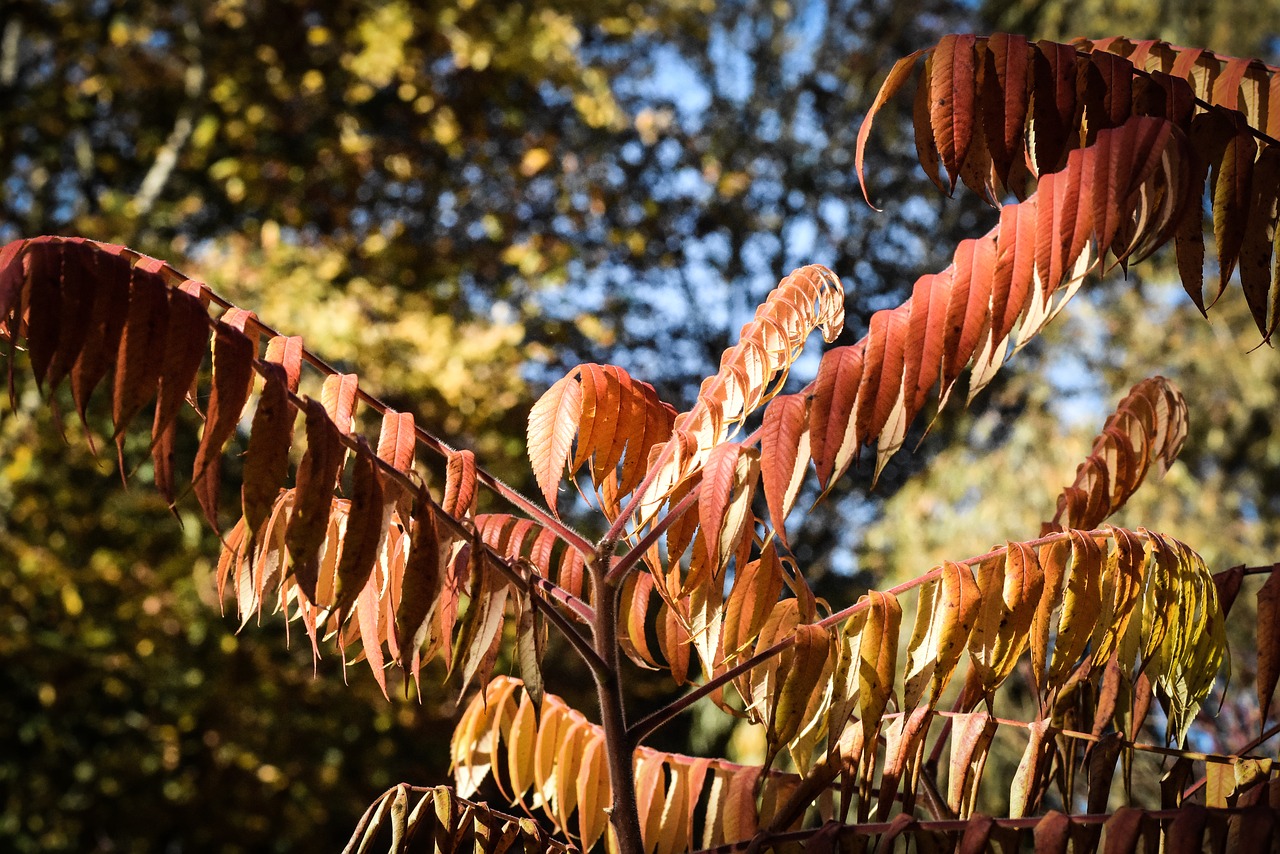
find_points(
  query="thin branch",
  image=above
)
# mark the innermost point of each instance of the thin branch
(544, 585)
(576, 639)
(574, 539)
(944, 826)
(656, 719)
(633, 555)
(1266, 736)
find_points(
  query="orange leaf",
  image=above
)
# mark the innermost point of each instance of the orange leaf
(459, 484)
(286, 351)
(552, 424)
(892, 83)
(397, 441)
(338, 394)
(724, 503)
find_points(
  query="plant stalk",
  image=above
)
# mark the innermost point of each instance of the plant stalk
(625, 813)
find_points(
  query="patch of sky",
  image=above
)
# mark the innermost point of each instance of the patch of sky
(804, 32)
(673, 80)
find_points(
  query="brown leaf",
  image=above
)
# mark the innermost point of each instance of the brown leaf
(1268, 641)
(286, 351)
(892, 83)
(1053, 833)
(317, 475)
(44, 264)
(423, 578)
(1054, 108)
(233, 355)
(267, 457)
(143, 336)
(1257, 248)
(1186, 832)
(110, 312)
(1102, 770)
(366, 529)
(186, 342)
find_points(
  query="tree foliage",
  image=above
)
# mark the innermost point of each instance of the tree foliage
(1100, 152)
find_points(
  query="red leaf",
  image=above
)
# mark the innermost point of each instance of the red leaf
(1004, 99)
(44, 301)
(784, 455)
(831, 426)
(137, 368)
(110, 311)
(952, 92)
(75, 309)
(881, 370)
(1053, 113)
(923, 350)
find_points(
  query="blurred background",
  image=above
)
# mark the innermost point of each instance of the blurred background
(459, 201)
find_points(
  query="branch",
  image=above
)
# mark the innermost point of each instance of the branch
(633, 555)
(656, 719)
(575, 540)
(1266, 735)
(945, 826)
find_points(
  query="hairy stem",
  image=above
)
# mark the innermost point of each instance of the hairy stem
(624, 813)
